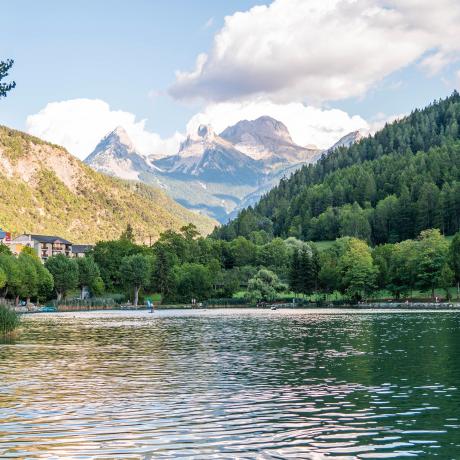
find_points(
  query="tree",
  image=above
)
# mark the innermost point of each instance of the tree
(243, 252)
(193, 281)
(162, 274)
(9, 264)
(431, 256)
(454, 260)
(36, 280)
(357, 269)
(264, 286)
(135, 272)
(3, 278)
(65, 274)
(29, 276)
(108, 254)
(445, 279)
(4, 249)
(295, 282)
(5, 66)
(128, 234)
(88, 273)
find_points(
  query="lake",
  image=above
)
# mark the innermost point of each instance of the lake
(300, 384)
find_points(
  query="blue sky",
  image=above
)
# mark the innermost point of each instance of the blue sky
(117, 51)
(126, 54)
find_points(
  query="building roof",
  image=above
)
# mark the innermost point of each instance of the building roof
(44, 238)
(81, 248)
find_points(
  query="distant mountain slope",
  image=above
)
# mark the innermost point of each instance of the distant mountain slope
(208, 157)
(268, 140)
(44, 189)
(116, 156)
(388, 187)
(213, 174)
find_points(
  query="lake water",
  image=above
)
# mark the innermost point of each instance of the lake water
(232, 384)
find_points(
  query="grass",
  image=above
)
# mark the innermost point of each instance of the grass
(376, 295)
(9, 321)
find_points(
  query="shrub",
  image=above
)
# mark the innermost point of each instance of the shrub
(9, 320)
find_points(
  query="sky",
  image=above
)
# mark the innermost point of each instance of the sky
(160, 68)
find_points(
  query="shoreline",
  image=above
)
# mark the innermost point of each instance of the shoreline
(365, 308)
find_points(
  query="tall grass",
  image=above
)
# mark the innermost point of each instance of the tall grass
(9, 320)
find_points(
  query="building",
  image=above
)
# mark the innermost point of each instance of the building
(5, 237)
(80, 250)
(45, 246)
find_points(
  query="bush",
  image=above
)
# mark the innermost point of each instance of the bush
(9, 320)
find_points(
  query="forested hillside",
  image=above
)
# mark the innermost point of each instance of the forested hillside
(44, 189)
(386, 188)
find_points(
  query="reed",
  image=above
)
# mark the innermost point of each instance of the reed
(9, 320)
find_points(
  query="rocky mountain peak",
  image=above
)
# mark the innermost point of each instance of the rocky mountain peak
(118, 136)
(264, 127)
(116, 155)
(205, 131)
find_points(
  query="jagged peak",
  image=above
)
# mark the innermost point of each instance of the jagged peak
(263, 126)
(205, 131)
(119, 134)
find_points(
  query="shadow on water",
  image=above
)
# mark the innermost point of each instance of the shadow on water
(226, 384)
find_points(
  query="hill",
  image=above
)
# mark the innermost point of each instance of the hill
(44, 189)
(385, 188)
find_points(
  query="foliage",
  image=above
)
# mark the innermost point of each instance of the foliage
(454, 259)
(3, 278)
(9, 320)
(303, 274)
(357, 270)
(64, 272)
(193, 281)
(263, 287)
(89, 275)
(5, 66)
(135, 271)
(430, 259)
(386, 188)
(128, 234)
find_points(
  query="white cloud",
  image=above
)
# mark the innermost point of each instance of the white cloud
(307, 125)
(317, 50)
(79, 124)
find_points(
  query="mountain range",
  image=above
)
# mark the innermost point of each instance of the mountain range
(214, 174)
(45, 189)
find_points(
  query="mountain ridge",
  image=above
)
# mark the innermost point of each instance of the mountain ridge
(214, 174)
(44, 189)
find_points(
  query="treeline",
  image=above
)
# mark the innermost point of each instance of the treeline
(26, 277)
(182, 266)
(386, 188)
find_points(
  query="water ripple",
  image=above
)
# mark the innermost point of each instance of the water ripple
(232, 384)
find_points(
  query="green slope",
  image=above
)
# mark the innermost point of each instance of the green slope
(387, 187)
(44, 189)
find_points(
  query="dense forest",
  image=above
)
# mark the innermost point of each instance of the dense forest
(182, 266)
(386, 188)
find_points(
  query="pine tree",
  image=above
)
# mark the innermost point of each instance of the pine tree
(5, 66)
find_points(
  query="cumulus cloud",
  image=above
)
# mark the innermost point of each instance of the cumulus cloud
(318, 50)
(307, 125)
(79, 124)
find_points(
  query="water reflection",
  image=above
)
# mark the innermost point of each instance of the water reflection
(232, 384)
